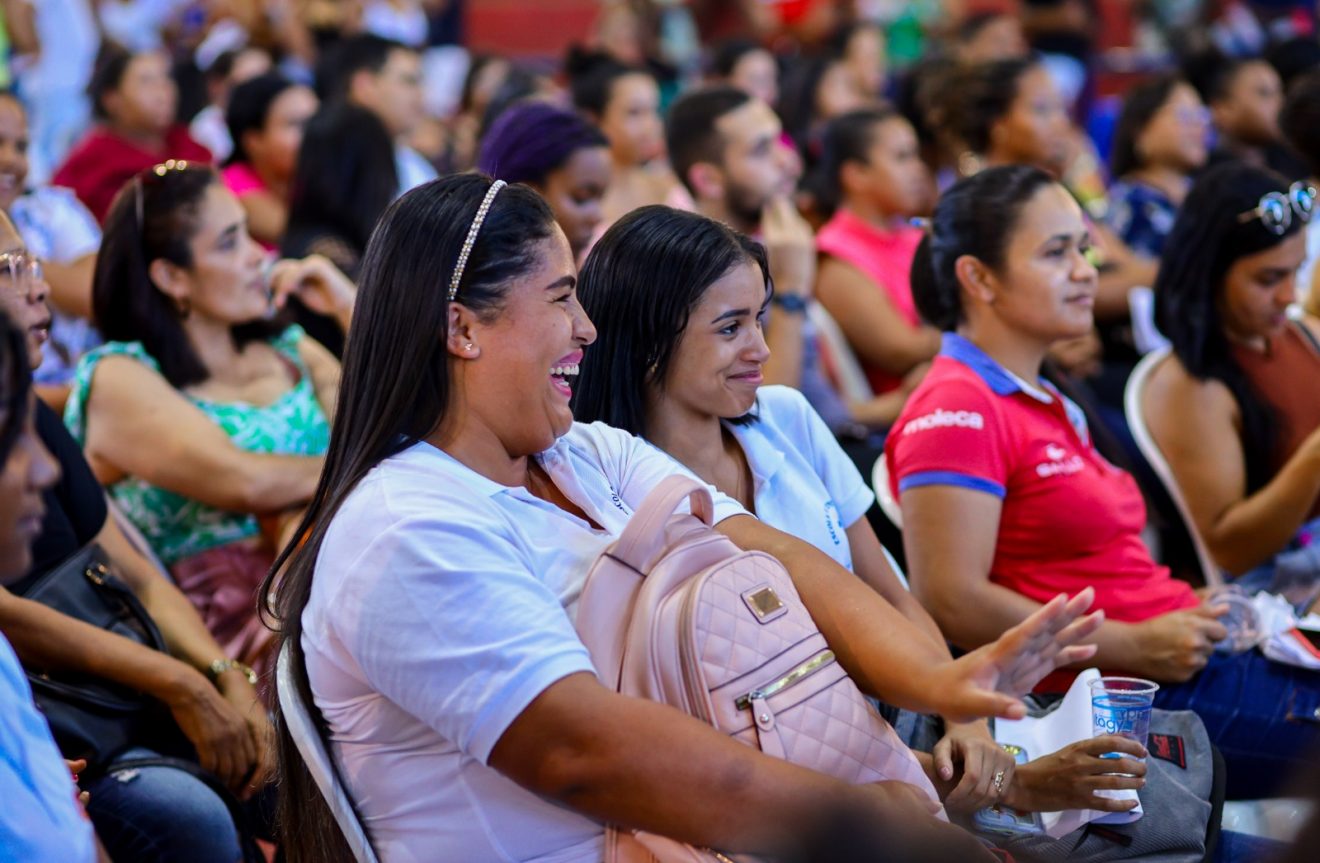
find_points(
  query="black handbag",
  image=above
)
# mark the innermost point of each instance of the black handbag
(90, 717)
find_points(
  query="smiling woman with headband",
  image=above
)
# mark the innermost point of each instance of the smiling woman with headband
(429, 611)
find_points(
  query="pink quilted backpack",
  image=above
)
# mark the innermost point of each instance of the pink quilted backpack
(674, 612)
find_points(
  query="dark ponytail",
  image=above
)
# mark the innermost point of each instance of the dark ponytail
(976, 217)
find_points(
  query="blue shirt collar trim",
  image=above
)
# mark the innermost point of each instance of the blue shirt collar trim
(1001, 381)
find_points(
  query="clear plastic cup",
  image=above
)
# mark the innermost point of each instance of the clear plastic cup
(1122, 706)
(1241, 621)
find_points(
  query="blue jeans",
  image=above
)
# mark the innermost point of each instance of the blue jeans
(1263, 716)
(161, 815)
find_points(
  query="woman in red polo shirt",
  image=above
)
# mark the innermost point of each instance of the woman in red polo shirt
(1006, 502)
(135, 99)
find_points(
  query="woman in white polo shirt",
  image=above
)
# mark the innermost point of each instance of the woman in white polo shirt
(429, 610)
(683, 297)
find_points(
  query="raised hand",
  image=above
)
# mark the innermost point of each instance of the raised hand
(988, 680)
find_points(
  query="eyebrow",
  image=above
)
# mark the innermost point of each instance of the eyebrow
(732, 313)
(561, 282)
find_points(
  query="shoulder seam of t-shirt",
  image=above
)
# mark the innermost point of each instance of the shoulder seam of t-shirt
(953, 478)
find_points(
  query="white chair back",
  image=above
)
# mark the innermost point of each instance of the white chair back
(314, 754)
(1136, 418)
(852, 381)
(883, 496)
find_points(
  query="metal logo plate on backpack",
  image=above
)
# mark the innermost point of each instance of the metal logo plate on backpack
(764, 603)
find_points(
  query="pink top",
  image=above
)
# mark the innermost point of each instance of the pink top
(242, 180)
(883, 256)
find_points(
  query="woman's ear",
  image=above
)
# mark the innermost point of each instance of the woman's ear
(975, 278)
(168, 278)
(461, 340)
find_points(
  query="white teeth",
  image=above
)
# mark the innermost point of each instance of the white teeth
(564, 371)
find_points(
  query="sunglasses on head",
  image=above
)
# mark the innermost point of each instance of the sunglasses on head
(1275, 209)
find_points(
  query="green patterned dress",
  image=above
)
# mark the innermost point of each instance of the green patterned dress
(202, 545)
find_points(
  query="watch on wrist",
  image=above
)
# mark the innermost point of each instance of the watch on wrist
(791, 303)
(220, 666)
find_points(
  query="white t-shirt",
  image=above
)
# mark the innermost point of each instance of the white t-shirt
(56, 226)
(443, 604)
(40, 820)
(805, 483)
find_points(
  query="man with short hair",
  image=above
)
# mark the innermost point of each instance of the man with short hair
(385, 77)
(726, 148)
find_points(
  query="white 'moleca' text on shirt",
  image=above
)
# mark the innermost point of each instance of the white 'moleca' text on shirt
(941, 418)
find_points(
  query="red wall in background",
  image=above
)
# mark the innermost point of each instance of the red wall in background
(541, 28)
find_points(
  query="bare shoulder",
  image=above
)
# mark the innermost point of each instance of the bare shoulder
(1173, 392)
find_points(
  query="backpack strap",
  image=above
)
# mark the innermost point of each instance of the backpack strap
(606, 604)
(644, 538)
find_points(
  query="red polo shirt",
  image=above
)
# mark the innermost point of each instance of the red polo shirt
(1070, 519)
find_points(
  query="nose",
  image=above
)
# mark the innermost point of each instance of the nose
(584, 331)
(38, 289)
(758, 350)
(1083, 269)
(1286, 294)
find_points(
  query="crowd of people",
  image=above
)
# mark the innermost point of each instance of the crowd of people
(322, 335)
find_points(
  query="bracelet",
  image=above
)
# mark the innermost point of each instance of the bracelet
(791, 303)
(220, 666)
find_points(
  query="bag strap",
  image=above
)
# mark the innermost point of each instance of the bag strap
(608, 597)
(644, 538)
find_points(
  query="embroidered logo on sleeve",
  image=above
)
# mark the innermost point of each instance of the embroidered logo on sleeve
(1168, 747)
(945, 419)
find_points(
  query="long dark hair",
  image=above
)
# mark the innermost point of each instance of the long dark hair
(155, 216)
(1207, 238)
(639, 286)
(345, 179)
(15, 382)
(976, 216)
(394, 390)
(1140, 106)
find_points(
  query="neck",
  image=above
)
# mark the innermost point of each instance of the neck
(151, 141)
(1018, 354)
(213, 341)
(873, 215)
(472, 442)
(1172, 182)
(1250, 153)
(696, 441)
(276, 184)
(716, 210)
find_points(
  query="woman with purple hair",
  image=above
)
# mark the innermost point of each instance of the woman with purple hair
(560, 155)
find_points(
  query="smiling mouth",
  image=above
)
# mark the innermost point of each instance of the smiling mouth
(562, 375)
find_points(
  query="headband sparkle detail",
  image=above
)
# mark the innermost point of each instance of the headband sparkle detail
(472, 237)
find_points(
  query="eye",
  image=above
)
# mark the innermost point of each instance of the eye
(565, 298)
(729, 329)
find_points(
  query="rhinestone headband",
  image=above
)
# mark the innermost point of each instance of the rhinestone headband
(472, 237)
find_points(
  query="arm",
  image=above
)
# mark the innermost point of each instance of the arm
(138, 424)
(1196, 424)
(1122, 271)
(187, 637)
(891, 658)
(71, 285)
(950, 534)
(872, 325)
(267, 215)
(612, 757)
(872, 568)
(47, 639)
(791, 251)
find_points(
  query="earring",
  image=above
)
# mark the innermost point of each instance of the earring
(184, 307)
(468, 347)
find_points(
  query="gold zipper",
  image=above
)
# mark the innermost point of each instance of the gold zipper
(806, 669)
